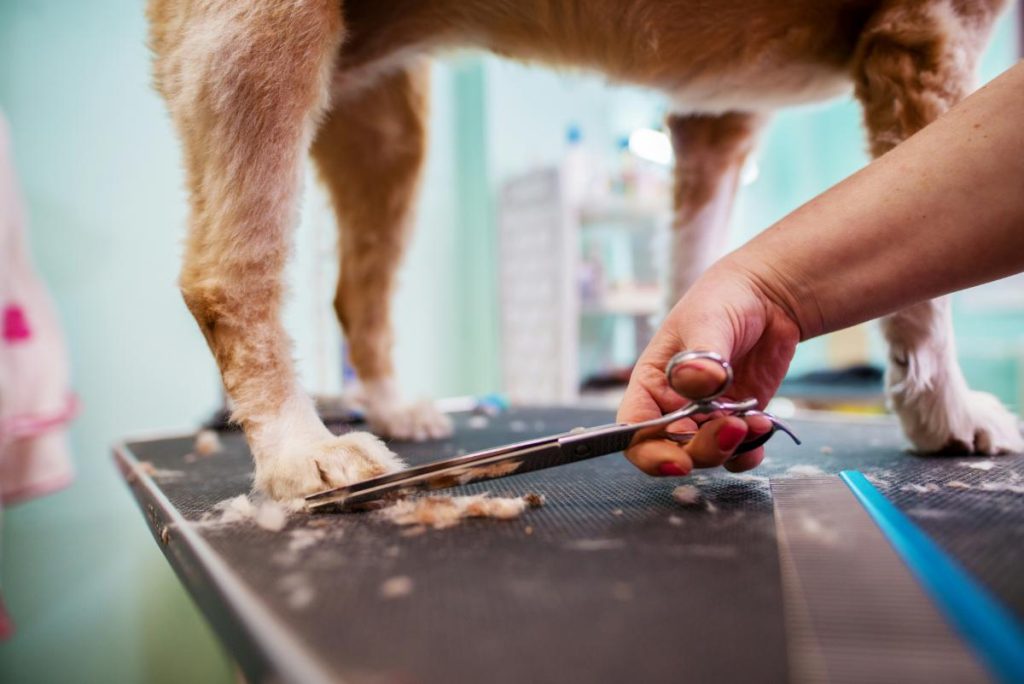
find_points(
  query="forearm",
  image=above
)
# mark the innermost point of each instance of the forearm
(941, 212)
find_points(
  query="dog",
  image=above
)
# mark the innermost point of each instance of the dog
(252, 86)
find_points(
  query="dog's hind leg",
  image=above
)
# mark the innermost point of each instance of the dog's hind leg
(244, 82)
(370, 151)
(710, 151)
(915, 61)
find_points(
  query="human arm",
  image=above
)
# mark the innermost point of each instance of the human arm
(942, 211)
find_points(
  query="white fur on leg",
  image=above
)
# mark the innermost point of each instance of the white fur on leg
(928, 392)
(389, 416)
(296, 455)
(702, 240)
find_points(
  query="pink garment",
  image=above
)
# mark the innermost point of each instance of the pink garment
(35, 401)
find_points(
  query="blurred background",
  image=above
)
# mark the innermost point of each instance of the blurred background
(91, 595)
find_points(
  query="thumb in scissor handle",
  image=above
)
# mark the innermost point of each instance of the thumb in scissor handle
(685, 357)
(710, 402)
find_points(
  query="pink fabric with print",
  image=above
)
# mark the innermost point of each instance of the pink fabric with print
(35, 401)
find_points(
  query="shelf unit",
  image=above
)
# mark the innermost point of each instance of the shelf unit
(581, 287)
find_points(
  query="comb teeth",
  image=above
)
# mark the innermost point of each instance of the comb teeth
(854, 612)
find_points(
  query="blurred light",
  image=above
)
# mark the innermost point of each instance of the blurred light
(782, 407)
(750, 172)
(651, 145)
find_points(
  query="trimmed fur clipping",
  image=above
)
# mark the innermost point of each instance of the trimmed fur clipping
(440, 512)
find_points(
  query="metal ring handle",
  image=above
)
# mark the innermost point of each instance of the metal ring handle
(687, 356)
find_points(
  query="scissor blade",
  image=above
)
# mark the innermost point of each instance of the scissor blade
(453, 472)
(435, 465)
(514, 459)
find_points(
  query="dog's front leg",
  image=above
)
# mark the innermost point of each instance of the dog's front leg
(915, 61)
(710, 151)
(244, 86)
(370, 151)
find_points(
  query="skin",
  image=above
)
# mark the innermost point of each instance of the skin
(952, 195)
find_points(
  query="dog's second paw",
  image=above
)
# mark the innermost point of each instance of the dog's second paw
(306, 468)
(991, 428)
(389, 416)
(964, 422)
(417, 422)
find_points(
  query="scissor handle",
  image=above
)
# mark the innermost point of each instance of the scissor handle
(685, 357)
(711, 403)
(750, 444)
(608, 438)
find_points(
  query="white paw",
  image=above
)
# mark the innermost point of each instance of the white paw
(959, 421)
(389, 416)
(418, 422)
(305, 467)
(939, 412)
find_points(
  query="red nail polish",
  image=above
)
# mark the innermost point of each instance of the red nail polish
(730, 436)
(669, 469)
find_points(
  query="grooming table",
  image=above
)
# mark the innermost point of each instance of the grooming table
(612, 580)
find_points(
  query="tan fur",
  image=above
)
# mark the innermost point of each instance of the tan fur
(244, 86)
(249, 84)
(369, 151)
(710, 150)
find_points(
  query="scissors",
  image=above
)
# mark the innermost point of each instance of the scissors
(575, 445)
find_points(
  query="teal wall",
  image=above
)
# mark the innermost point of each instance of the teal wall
(92, 597)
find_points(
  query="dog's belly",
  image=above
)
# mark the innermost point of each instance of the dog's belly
(759, 91)
(754, 55)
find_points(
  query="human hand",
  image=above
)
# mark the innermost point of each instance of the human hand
(730, 311)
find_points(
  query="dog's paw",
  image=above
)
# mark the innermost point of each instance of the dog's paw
(305, 468)
(962, 422)
(417, 422)
(389, 416)
(991, 428)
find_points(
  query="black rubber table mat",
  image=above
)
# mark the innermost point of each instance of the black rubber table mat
(611, 580)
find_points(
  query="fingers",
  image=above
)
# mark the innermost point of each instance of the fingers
(716, 440)
(757, 426)
(647, 395)
(714, 444)
(660, 458)
(745, 461)
(649, 391)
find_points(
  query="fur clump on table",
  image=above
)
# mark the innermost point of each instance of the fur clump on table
(440, 512)
(207, 443)
(689, 495)
(805, 470)
(427, 511)
(396, 587)
(266, 513)
(160, 474)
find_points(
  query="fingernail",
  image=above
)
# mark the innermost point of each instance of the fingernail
(693, 365)
(698, 368)
(670, 469)
(730, 436)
